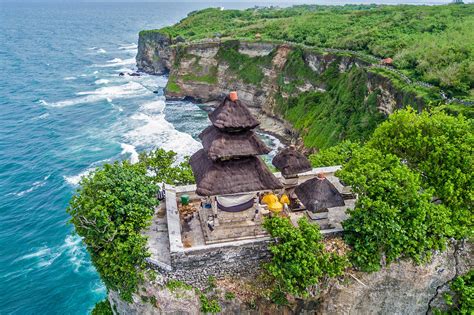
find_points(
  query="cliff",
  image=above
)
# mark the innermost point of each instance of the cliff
(401, 288)
(346, 93)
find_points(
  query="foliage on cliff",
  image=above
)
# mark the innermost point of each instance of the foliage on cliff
(163, 167)
(394, 217)
(410, 161)
(345, 111)
(429, 43)
(299, 259)
(113, 206)
(461, 298)
(102, 308)
(441, 149)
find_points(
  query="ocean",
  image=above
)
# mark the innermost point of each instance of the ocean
(64, 110)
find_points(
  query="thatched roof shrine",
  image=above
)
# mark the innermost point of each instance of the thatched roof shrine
(228, 163)
(317, 194)
(222, 145)
(232, 176)
(291, 162)
(232, 115)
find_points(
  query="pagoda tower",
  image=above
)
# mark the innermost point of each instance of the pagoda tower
(229, 173)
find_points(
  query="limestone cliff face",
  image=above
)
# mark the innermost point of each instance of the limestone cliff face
(201, 72)
(401, 288)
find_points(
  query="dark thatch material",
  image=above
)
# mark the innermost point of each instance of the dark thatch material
(291, 162)
(219, 144)
(232, 116)
(318, 194)
(232, 176)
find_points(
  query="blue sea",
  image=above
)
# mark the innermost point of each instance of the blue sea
(64, 110)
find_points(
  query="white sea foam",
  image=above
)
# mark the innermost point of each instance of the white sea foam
(132, 46)
(40, 117)
(128, 90)
(117, 62)
(69, 78)
(75, 252)
(101, 51)
(33, 187)
(131, 150)
(153, 107)
(74, 180)
(152, 131)
(102, 81)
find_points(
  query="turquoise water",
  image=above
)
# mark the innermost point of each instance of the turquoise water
(63, 111)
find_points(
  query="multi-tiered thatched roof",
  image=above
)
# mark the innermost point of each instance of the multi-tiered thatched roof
(291, 162)
(223, 145)
(232, 116)
(228, 163)
(230, 177)
(319, 193)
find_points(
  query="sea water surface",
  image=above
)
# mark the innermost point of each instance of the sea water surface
(64, 110)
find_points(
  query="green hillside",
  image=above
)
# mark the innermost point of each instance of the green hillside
(434, 44)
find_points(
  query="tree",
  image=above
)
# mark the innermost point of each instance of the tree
(299, 259)
(336, 155)
(109, 211)
(394, 216)
(440, 148)
(163, 167)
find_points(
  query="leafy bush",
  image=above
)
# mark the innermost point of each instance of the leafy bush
(209, 305)
(439, 147)
(336, 155)
(163, 167)
(461, 300)
(110, 209)
(299, 259)
(393, 217)
(102, 308)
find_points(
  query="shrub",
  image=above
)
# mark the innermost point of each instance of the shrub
(299, 259)
(461, 301)
(114, 204)
(163, 167)
(102, 308)
(209, 305)
(440, 148)
(336, 155)
(393, 216)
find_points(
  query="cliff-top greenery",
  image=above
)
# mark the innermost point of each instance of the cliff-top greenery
(429, 43)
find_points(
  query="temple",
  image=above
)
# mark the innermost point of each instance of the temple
(230, 174)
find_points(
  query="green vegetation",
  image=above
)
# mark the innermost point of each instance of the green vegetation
(172, 86)
(209, 305)
(429, 43)
(461, 298)
(336, 155)
(249, 69)
(440, 148)
(394, 217)
(229, 296)
(113, 206)
(102, 308)
(299, 259)
(174, 285)
(342, 112)
(410, 161)
(164, 168)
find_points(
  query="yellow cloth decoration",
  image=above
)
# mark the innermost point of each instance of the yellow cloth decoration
(284, 199)
(275, 207)
(269, 199)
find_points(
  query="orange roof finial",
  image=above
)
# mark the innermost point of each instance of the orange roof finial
(233, 96)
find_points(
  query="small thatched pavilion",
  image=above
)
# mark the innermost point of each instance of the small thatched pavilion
(229, 172)
(318, 194)
(291, 162)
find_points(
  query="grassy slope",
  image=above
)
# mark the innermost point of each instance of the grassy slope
(430, 43)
